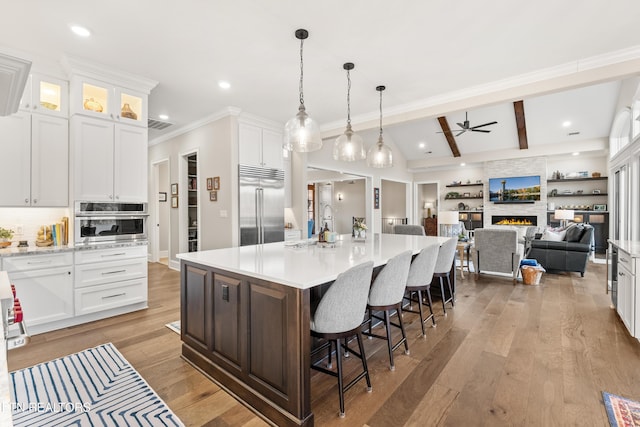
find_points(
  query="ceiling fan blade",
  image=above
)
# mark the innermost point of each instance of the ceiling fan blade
(461, 125)
(480, 130)
(461, 132)
(483, 125)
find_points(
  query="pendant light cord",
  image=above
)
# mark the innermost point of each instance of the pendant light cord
(380, 140)
(348, 98)
(301, 72)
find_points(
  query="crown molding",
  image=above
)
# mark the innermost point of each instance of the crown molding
(80, 67)
(227, 112)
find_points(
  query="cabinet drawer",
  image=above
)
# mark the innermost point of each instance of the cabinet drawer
(290, 235)
(105, 297)
(36, 262)
(625, 260)
(108, 272)
(99, 255)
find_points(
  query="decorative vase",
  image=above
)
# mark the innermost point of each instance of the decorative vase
(128, 112)
(92, 105)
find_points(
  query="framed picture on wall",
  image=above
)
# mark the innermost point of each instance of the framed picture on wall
(162, 196)
(174, 201)
(209, 184)
(376, 198)
(174, 189)
(213, 196)
(216, 182)
(599, 207)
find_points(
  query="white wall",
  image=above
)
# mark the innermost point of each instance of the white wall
(395, 199)
(165, 209)
(216, 143)
(353, 203)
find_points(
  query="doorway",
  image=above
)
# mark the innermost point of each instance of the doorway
(426, 206)
(160, 218)
(395, 204)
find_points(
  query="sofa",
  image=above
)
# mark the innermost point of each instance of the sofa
(563, 250)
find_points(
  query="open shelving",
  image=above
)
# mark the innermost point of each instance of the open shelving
(192, 202)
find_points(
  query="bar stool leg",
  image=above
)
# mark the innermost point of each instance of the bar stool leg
(444, 309)
(404, 335)
(340, 385)
(387, 322)
(433, 318)
(329, 364)
(424, 334)
(450, 292)
(364, 362)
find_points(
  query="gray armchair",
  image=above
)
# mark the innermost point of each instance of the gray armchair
(497, 250)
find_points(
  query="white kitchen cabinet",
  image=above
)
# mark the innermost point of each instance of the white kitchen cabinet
(44, 284)
(45, 95)
(98, 99)
(110, 160)
(35, 148)
(260, 147)
(110, 278)
(626, 298)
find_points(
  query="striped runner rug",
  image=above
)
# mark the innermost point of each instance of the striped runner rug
(96, 387)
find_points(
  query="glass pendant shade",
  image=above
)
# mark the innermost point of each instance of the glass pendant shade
(349, 147)
(380, 155)
(302, 133)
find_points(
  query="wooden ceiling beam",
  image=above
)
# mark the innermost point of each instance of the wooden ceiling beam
(518, 108)
(444, 125)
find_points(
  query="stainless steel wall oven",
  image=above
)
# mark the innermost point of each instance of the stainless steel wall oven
(104, 222)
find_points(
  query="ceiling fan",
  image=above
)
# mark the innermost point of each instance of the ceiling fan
(466, 127)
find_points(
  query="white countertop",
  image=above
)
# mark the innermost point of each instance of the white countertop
(305, 266)
(632, 247)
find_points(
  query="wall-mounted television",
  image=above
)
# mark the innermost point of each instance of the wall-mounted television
(515, 189)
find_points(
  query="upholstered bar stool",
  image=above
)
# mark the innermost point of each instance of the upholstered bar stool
(415, 230)
(442, 270)
(339, 316)
(419, 282)
(387, 294)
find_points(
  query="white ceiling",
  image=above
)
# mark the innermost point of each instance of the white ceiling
(435, 59)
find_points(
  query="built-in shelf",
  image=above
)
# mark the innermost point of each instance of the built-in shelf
(465, 185)
(192, 178)
(463, 197)
(578, 195)
(600, 178)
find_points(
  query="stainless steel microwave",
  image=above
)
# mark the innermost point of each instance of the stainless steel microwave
(105, 222)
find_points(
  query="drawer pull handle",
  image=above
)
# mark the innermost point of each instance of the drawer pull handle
(39, 262)
(115, 296)
(621, 274)
(113, 272)
(118, 254)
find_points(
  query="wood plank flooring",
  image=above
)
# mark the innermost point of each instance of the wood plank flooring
(504, 356)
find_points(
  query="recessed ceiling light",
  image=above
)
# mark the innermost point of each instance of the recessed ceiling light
(421, 145)
(576, 154)
(566, 124)
(224, 85)
(163, 117)
(463, 164)
(80, 31)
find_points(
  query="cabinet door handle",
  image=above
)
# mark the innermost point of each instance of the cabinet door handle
(110, 255)
(26, 201)
(39, 262)
(114, 296)
(113, 272)
(35, 201)
(620, 273)
(26, 105)
(111, 196)
(623, 260)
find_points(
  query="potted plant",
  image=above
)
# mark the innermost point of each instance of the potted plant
(5, 237)
(360, 229)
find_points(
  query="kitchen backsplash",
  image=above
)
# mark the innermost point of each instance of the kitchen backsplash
(30, 219)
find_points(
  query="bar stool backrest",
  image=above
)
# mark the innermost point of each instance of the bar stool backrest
(445, 256)
(423, 266)
(343, 306)
(388, 287)
(416, 230)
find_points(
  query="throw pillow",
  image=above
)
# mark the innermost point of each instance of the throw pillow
(575, 233)
(553, 236)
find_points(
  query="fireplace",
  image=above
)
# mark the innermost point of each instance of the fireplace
(522, 220)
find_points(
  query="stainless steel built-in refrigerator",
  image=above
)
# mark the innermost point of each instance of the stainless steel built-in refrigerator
(261, 205)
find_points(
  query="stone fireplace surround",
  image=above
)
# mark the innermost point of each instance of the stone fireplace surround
(516, 167)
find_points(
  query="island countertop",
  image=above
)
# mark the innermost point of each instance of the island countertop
(632, 247)
(304, 265)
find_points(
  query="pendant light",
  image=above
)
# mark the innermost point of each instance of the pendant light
(349, 146)
(380, 156)
(301, 133)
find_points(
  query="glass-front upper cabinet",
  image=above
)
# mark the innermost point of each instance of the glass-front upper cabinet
(46, 95)
(98, 99)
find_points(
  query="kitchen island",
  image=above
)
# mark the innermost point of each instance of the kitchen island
(245, 314)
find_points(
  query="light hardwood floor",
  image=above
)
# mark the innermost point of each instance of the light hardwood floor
(505, 355)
